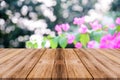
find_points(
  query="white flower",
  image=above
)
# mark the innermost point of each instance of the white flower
(36, 38)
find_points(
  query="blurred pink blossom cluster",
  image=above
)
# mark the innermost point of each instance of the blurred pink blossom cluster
(110, 41)
(106, 41)
(118, 21)
(64, 27)
(95, 25)
(89, 35)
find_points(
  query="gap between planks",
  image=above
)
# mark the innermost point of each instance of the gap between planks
(64, 65)
(23, 66)
(93, 60)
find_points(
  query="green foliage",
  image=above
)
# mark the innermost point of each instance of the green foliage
(6, 39)
(14, 8)
(115, 5)
(31, 45)
(77, 37)
(35, 45)
(43, 43)
(54, 42)
(84, 39)
(118, 28)
(28, 44)
(63, 42)
(111, 31)
(97, 35)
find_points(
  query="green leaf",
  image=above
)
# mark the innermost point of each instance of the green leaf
(49, 37)
(97, 35)
(43, 43)
(118, 28)
(111, 31)
(77, 37)
(62, 35)
(29, 44)
(35, 45)
(63, 42)
(54, 42)
(84, 39)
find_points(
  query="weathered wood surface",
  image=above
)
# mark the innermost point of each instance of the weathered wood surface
(59, 64)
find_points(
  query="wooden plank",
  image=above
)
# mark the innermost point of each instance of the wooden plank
(59, 64)
(23, 68)
(114, 52)
(43, 69)
(115, 59)
(9, 55)
(30, 65)
(59, 70)
(75, 68)
(5, 52)
(111, 65)
(117, 49)
(94, 66)
(6, 66)
(1, 49)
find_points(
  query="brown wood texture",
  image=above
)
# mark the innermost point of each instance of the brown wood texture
(59, 64)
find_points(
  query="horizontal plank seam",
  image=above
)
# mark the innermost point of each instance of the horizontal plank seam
(84, 64)
(36, 62)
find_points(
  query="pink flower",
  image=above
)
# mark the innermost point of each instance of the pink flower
(93, 44)
(116, 40)
(83, 29)
(95, 25)
(58, 29)
(65, 27)
(79, 21)
(71, 38)
(118, 20)
(78, 45)
(107, 41)
(111, 26)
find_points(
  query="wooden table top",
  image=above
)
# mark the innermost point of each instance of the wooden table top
(60, 64)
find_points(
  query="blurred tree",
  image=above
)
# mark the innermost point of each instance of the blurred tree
(115, 8)
(115, 5)
(19, 19)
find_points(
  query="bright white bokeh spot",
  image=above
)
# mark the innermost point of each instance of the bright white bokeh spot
(24, 10)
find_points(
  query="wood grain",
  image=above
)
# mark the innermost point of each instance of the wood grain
(115, 59)
(59, 64)
(43, 69)
(9, 54)
(100, 66)
(75, 68)
(23, 67)
(59, 69)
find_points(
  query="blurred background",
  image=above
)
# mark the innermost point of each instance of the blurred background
(22, 20)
